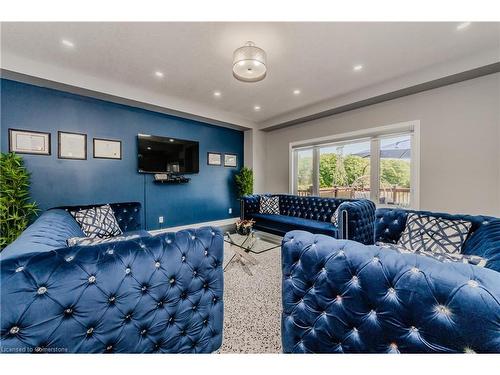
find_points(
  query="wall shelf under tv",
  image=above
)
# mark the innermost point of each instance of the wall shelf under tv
(170, 179)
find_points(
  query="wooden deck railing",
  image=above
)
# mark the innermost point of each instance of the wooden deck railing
(395, 195)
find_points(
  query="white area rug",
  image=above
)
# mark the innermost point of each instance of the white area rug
(252, 305)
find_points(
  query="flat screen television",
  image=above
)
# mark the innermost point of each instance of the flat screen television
(167, 155)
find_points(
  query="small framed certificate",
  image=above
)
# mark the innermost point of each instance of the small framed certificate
(107, 149)
(214, 158)
(230, 160)
(72, 146)
(29, 142)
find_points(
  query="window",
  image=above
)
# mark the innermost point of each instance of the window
(376, 166)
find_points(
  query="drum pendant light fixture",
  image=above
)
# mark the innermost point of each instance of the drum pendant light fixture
(249, 63)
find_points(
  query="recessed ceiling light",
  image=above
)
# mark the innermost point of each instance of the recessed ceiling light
(256, 108)
(357, 68)
(296, 92)
(159, 74)
(217, 94)
(463, 25)
(67, 43)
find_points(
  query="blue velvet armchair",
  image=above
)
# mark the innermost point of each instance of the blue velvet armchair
(345, 297)
(149, 294)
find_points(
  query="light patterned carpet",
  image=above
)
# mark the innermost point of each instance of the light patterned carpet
(252, 304)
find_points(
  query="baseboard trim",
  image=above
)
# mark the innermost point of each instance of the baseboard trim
(217, 223)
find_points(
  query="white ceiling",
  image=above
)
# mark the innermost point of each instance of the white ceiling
(196, 59)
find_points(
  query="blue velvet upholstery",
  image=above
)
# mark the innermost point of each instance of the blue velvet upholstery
(160, 294)
(128, 214)
(281, 224)
(314, 214)
(483, 239)
(341, 296)
(50, 231)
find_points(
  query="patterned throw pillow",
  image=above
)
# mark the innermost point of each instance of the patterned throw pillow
(433, 234)
(88, 241)
(269, 205)
(98, 222)
(335, 218)
(443, 257)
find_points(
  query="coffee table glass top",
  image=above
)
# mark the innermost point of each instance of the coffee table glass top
(256, 242)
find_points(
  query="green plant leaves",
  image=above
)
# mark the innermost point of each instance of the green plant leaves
(244, 181)
(16, 208)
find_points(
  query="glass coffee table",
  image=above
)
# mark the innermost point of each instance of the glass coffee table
(256, 242)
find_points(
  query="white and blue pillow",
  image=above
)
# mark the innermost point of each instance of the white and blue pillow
(269, 205)
(437, 238)
(434, 234)
(98, 222)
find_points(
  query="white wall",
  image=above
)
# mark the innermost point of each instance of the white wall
(255, 157)
(460, 143)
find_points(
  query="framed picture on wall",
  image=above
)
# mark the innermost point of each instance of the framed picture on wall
(214, 158)
(230, 160)
(107, 149)
(72, 146)
(29, 142)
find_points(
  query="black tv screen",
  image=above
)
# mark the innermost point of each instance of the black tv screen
(167, 155)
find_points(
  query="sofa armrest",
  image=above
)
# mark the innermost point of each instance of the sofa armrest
(342, 296)
(485, 242)
(249, 205)
(357, 221)
(153, 294)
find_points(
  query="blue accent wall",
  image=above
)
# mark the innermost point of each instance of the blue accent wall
(56, 182)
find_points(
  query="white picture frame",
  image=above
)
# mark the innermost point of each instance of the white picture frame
(107, 149)
(72, 146)
(230, 160)
(29, 142)
(214, 158)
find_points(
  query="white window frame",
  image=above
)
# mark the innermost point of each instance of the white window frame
(374, 135)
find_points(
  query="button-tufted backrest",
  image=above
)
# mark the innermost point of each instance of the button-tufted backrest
(314, 208)
(160, 294)
(128, 214)
(390, 223)
(483, 239)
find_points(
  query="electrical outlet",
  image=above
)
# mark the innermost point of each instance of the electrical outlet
(230, 211)
(160, 219)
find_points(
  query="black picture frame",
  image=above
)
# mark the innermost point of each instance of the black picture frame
(235, 161)
(214, 153)
(107, 140)
(49, 145)
(59, 156)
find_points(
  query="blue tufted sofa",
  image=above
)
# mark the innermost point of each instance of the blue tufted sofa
(314, 214)
(341, 296)
(149, 294)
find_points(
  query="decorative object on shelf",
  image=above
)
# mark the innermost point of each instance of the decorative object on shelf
(214, 158)
(16, 208)
(72, 146)
(249, 63)
(107, 149)
(244, 182)
(230, 160)
(244, 227)
(29, 142)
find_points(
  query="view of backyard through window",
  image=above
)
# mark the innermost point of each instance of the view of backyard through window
(344, 170)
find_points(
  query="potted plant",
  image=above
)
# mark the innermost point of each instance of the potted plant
(244, 182)
(16, 207)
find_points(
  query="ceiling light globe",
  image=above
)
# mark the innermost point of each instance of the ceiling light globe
(249, 63)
